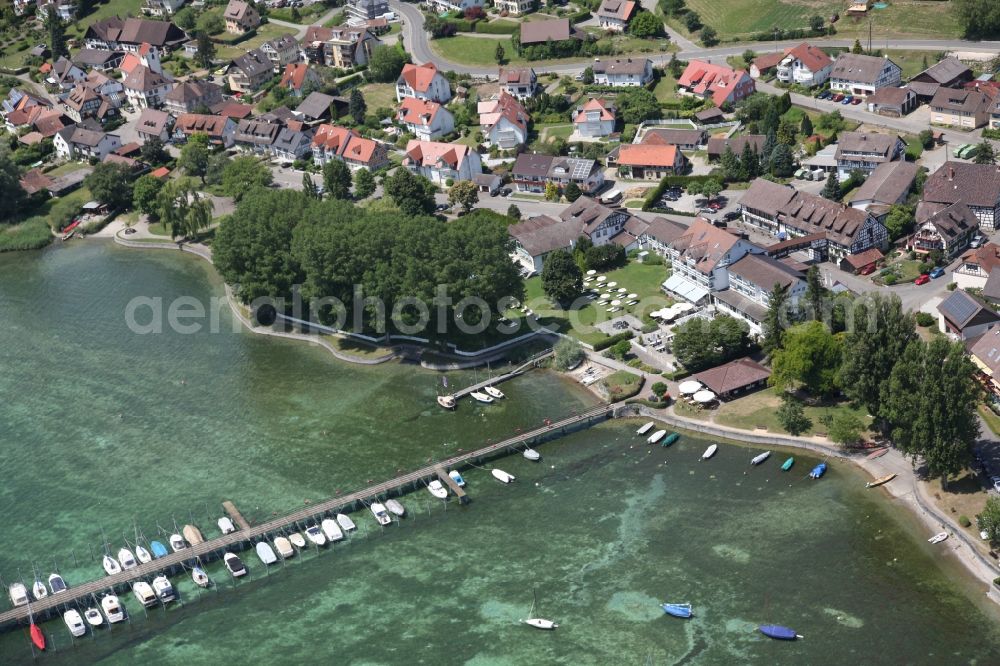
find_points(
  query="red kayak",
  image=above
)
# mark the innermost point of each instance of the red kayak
(37, 637)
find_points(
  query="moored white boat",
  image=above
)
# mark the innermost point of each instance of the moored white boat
(143, 555)
(457, 478)
(127, 559)
(758, 459)
(57, 584)
(18, 594)
(39, 591)
(710, 451)
(345, 522)
(74, 622)
(446, 401)
(540, 623)
(111, 566)
(646, 428)
(284, 547)
(494, 392)
(192, 535)
(234, 564)
(144, 593)
(177, 542)
(532, 454)
(481, 397)
(331, 530)
(656, 436)
(437, 489)
(378, 510)
(93, 617)
(266, 553)
(395, 507)
(164, 590)
(502, 476)
(112, 608)
(226, 525)
(199, 577)
(315, 534)
(938, 538)
(297, 540)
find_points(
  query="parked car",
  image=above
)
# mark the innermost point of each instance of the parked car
(838, 97)
(731, 215)
(847, 100)
(715, 205)
(855, 101)
(976, 242)
(505, 192)
(441, 207)
(996, 483)
(826, 94)
(936, 273)
(706, 211)
(923, 279)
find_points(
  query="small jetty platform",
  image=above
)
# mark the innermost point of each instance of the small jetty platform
(213, 549)
(456, 489)
(527, 365)
(235, 515)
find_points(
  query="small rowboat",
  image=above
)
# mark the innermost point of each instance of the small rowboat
(818, 471)
(938, 538)
(880, 481)
(226, 525)
(710, 451)
(646, 428)
(494, 392)
(656, 436)
(787, 465)
(877, 453)
(502, 476)
(756, 460)
(671, 438)
(539, 623)
(457, 478)
(37, 637)
(446, 401)
(532, 454)
(395, 508)
(779, 632)
(199, 577)
(677, 610)
(297, 540)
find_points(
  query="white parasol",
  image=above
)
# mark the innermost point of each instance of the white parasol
(633, 296)
(601, 278)
(689, 387)
(704, 396)
(612, 284)
(591, 272)
(616, 302)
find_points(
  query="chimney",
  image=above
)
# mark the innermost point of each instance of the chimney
(951, 173)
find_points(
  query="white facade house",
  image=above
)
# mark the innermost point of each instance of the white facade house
(614, 15)
(423, 82)
(456, 5)
(515, 7)
(78, 143)
(700, 260)
(424, 119)
(161, 7)
(857, 74)
(503, 122)
(623, 72)
(751, 280)
(805, 65)
(441, 162)
(594, 119)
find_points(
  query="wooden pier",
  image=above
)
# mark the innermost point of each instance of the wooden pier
(82, 595)
(457, 490)
(530, 363)
(236, 516)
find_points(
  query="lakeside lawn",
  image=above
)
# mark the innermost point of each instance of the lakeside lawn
(760, 410)
(641, 279)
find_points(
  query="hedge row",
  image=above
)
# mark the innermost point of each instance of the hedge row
(487, 28)
(612, 340)
(677, 374)
(579, 17)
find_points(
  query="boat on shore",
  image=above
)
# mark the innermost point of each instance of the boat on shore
(234, 564)
(331, 530)
(656, 436)
(127, 559)
(111, 566)
(39, 591)
(226, 525)
(758, 459)
(457, 478)
(192, 535)
(93, 617)
(57, 584)
(284, 547)
(346, 523)
(144, 593)
(882, 480)
(447, 401)
(678, 610)
(938, 538)
(533, 455)
(265, 553)
(315, 534)
(877, 453)
(142, 555)
(297, 540)
(710, 451)
(502, 476)
(112, 608)
(18, 594)
(481, 397)
(778, 632)
(437, 489)
(787, 465)
(818, 471)
(74, 622)
(395, 507)
(494, 392)
(671, 438)
(159, 550)
(177, 542)
(378, 510)
(646, 428)
(199, 577)
(164, 590)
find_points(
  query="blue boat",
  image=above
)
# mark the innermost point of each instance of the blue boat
(818, 471)
(677, 610)
(671, 438)
(159, 550)
(788, 464)
(778, 632)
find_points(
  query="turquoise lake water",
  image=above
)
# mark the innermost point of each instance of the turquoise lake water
(108, 433)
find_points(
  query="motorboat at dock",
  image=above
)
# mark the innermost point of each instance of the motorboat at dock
(378, 510)
(331, 530)
(266, 553)
(234, 564)
(93, 617)
(481, 397)
(177, 542)
(112, 608)
(74, 622)
(144, 593)
(127, 559)
(199, 577)
(531, 454)
(164, 590)
(437, 489)
(494, 392)
(284, 547)
(315, 534)
(346, 523)
(111, 566)
(142, 555)
(395, 507)
(457, 478)
(226, 525)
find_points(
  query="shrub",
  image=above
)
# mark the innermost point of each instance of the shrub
(652, 259)
(890, 279)
(964, 521)
(568, 353)
(925, 319)
(951, 286)
(659, 388)
(677, 374)
(612, 339)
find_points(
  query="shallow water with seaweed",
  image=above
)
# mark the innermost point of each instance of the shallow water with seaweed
(107, 433)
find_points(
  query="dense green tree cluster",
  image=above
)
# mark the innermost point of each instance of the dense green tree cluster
(978, 18)
(700, 344)
(562, 279)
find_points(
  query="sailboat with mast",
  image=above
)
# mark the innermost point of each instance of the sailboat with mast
(538, 622)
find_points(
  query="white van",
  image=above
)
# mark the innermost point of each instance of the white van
(614, 196)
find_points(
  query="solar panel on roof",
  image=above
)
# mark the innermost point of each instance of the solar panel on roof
(959, 307)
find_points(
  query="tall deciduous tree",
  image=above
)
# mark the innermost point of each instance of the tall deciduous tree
(110, 184)
(412, 194)
(385, 63)
(562, 279)
(985, 153)
(357, 106)
(699, 344)
(194, 156)
(183, 209)
(465, 194)
(364, 183)
(144, 195)
(978, 18)
(10, 186)
(809, 360)
(206, 50)
(244, 174)
(792, 416)
(777, 316)
(309, 187)
(337, 179)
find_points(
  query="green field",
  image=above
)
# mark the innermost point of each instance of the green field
(740, 18)
(760, 409)
(378, 95)
(265, 32)
(475, 50)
